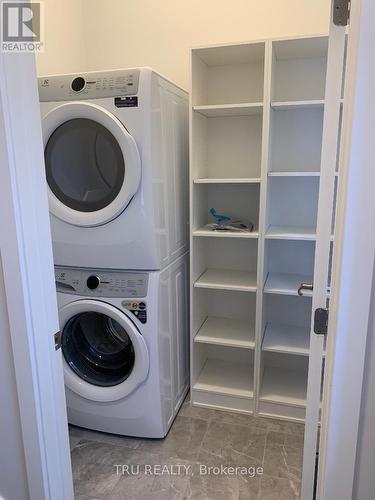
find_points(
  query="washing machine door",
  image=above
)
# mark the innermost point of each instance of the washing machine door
(105, 357)
(93, 166)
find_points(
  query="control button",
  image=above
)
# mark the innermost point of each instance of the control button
(78, 83)
(142, 305)
(93, 282)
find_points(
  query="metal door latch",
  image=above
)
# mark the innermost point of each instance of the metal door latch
(304, 286)
(57, 339)
(321, 321)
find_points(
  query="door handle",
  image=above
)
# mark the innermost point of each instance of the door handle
(304, 286)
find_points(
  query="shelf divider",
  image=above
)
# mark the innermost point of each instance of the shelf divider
(306, 104)
(203, 232)
(226, 331)
(240, 109)
(287, 339)
(225, 377)
(286, 284)
(219, 180)
(225, 279)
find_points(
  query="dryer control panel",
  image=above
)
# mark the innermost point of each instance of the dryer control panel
(93, 85)
(94, 283)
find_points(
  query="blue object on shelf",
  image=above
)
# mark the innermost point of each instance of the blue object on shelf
(219, 218)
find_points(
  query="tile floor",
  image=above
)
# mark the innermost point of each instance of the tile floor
(199, 437)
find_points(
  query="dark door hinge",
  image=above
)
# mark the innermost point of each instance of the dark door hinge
(57, 339)
(341, 12)
(321, 321)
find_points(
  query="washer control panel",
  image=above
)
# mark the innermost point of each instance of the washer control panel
(94, 283)
(89, 85)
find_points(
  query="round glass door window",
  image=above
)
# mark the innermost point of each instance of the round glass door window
(98, 349)
(85, 166)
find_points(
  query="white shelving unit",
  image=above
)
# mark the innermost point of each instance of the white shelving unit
(256, 129)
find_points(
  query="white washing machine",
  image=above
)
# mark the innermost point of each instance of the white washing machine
(125, 347)
(116, 155)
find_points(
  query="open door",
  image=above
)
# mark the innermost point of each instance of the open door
(324, 246)
(29, 288)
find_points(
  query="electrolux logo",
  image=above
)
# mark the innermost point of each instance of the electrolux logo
(22, 26)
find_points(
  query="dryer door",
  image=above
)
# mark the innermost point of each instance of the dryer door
(105, 356)
(93, 166)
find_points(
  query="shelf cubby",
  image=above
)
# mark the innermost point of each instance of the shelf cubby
(296, 139)
(227, 144)
(223, 377)
(236, 200)
(292, 207)
(224, 318)
(299, 69)
(287, 323)
(228, 74)
(283, 385)
(225, 264)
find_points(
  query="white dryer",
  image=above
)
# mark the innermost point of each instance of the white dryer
(125, 347)
(116, 155)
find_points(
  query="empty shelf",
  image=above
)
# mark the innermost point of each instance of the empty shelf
(287, 284)
(296, 173)
(291, 233)
(225, 377)
(284, 385)
(219, 180)
(247, 108)
(225, 331)
(225, 234)
(308, 104)
(287, 339)
(227, 280)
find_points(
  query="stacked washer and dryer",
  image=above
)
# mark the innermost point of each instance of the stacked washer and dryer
(116, 156)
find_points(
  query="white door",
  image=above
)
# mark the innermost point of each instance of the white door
(323, 250)
(27, 265)
(93, 167)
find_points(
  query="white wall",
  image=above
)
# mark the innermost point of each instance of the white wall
(159, 33)
(13, 479)
(64, 38)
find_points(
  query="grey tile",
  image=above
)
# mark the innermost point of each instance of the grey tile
(276, 488)
(234, 418)
(233, 445)
(283, 461)
(275, 437)
(201, 487)
(89, 452)
(164, 482)
(198, 437)
(183, 440)
(275, 463)
(73, 441)
(95, 481)
(296, 440)
(137, 487)
(103, 437)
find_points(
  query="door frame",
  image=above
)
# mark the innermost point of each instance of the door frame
(26, 254)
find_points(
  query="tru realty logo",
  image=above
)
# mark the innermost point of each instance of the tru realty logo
(22, 26)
